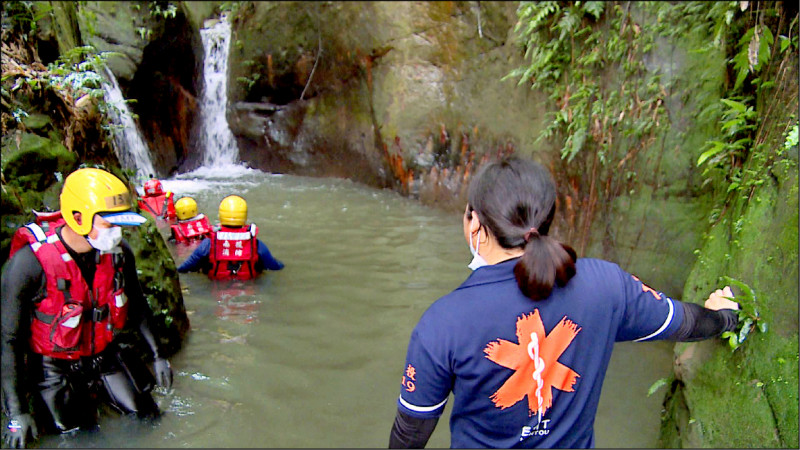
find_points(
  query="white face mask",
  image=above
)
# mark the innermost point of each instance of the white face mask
(477, 259)
(107, 239)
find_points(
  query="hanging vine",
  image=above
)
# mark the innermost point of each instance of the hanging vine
(598, 65)
(590, 58)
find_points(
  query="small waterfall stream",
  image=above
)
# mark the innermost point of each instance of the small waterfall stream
(217, 141)
(130, 146)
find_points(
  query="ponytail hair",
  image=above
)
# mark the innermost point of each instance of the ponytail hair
(546, 262)
(515, 199)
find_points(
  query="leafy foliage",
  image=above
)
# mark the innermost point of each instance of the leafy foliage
(754, 63)
(591, 58)
(749, 317)
(165, 10)
(600, 67)
(24, 16)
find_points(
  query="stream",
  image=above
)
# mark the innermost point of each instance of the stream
(312, 355)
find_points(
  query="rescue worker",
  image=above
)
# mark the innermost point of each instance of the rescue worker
(524, 343)
(233, 250)
(191, 226)
(159, 204)
(64, 302)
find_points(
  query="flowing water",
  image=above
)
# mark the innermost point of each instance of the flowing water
(130, 147)
(312, 355)
(217, 142)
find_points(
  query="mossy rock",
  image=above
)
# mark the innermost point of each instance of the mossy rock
(158, 277)
(36, 121)
(747, 397)
(32, 162)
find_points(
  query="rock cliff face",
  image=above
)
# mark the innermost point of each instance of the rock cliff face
(400, 94)
(158, 63)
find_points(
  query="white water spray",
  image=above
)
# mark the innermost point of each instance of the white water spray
(216, 140)
(130, 148)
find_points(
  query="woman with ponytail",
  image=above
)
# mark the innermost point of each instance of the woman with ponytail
(525, 341)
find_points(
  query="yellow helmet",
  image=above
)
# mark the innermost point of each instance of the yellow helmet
(233, 211)
(90, 191)
(186, 208)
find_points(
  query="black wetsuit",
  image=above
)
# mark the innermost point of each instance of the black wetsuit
(65, 387)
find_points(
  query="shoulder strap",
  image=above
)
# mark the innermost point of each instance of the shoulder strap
(37, 231)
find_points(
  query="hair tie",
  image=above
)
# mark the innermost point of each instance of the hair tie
(532, 232)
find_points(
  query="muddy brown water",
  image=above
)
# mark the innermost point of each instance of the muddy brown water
(312, 356)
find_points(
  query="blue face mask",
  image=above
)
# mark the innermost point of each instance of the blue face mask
(477, 259)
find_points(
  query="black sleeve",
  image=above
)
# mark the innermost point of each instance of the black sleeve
(411, 432)
(702, 323)
(140, 315)
(22, 280)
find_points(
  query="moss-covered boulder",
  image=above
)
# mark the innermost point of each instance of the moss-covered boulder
(158, 276)
(747, 397)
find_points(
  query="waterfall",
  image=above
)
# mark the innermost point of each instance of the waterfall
(216, 140)
(130, 148)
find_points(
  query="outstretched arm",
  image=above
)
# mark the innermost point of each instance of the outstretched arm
(266, 259)
(718, 316)
(198, 257)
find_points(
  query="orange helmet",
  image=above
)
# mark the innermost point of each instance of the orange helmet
(153, 187)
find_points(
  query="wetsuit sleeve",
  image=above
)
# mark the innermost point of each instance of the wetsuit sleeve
(648, 314)
(702, 323)
(140, 316)
(411, 432)
(22, 280)
(197, 259)
(265, 258)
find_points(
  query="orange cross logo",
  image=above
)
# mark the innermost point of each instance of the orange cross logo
(534, 362)
(646, 288)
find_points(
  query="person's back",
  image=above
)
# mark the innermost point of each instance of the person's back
(524, 343)
(489, 324)
(191, 226)
(233, 250)
(157, 202)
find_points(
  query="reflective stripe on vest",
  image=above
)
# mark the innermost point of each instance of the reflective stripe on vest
(37, 231)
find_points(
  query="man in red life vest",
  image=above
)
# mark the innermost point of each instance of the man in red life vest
(191, 226)
(233, 251)
(64, 302)
(158, 203)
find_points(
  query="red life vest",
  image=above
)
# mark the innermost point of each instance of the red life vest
(35, 231)
(70, 321)
(194, 229)
(159, 206)
(233, 253)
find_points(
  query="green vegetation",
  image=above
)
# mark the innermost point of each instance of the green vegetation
(606, 77)
(594, 61)
(749, 318)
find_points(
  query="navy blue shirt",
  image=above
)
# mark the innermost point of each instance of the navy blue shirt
(199, 258)
(527, 373)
